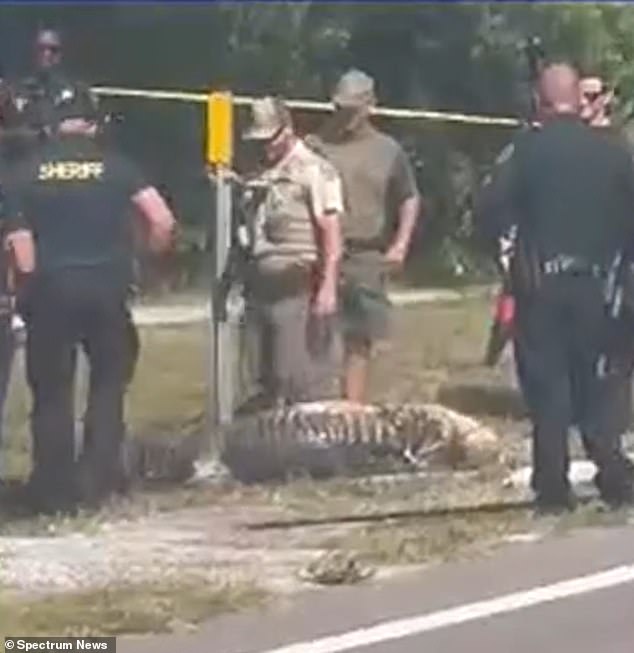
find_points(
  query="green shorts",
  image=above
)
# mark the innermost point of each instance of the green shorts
(365, 307)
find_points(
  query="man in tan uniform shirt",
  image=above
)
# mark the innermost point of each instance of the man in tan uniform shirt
(297, 247)
(382, 204)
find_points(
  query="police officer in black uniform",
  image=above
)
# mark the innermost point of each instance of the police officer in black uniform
(572, 192)
(37, 98)
(75, 197)
(38, 101)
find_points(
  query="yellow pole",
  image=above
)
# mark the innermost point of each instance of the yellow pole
(220, 129)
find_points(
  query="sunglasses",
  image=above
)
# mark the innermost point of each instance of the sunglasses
(268, 141)
(593, 96)
(47, 47)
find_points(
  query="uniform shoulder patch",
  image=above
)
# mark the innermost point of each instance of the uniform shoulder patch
(314, 143)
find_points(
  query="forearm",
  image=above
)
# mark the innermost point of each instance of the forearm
(409, 212)
(331, 250)
(158, 218)
(21, 248)
(161, 237)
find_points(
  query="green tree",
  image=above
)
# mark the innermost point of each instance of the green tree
(453, 57)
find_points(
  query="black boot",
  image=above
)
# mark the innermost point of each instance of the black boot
(51, 496)
(555, 503)
(615, 483)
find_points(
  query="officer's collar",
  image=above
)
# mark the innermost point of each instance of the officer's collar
(46, 75)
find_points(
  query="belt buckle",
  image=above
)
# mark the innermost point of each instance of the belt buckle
(551, 267)
(568, 263)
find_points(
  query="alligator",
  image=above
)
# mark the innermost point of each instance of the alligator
(327, 439)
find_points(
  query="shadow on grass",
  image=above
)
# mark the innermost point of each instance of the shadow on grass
(590, 512)
(489, 400)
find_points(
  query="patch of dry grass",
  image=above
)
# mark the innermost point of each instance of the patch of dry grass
(170, 384)
(431, 540)
(424, 540)
(149, 608)
(138, 505)
(391, 494)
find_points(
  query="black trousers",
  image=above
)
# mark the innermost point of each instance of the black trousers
(133, 350)
(134, 347)
(560, 336)
(77, 307)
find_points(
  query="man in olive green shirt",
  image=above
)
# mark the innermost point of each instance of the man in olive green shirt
(381, 206)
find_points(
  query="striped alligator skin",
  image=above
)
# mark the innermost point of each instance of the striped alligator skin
(326, 439)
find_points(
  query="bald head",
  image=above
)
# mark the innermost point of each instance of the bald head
(559, 90)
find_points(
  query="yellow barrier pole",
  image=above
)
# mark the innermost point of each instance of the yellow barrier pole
(219, 155)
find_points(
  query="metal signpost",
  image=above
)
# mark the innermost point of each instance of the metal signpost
(220, 391)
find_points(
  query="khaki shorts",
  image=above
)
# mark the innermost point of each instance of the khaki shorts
(365, 307)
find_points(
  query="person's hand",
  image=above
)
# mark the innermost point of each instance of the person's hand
(76, 126)
(325, 302)
(395, 255)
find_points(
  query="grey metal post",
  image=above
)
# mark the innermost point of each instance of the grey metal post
(220, 395)
(81, 387)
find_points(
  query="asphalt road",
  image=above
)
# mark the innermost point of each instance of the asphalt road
(567, 594)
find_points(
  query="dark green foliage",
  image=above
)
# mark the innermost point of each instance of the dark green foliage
(454, 57)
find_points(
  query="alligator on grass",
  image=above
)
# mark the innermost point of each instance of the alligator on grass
(324, 440)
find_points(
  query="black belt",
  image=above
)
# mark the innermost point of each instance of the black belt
(356, 245)
(572, 265)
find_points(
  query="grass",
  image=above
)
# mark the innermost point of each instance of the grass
(430, 540)
(435, 352)
(370, 496)
(170, 383)
(456, 537)
(134, 609)
(137, 506)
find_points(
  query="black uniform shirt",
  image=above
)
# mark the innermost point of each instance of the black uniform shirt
(75, 198)
(35, 105)
(39, 98)
(572, 191)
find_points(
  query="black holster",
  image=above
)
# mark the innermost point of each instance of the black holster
(620, 339)
(525, 270)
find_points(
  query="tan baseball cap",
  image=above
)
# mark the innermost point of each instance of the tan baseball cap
(269, 115)
(354, 89)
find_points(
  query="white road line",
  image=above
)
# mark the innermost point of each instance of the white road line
(401, 628)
